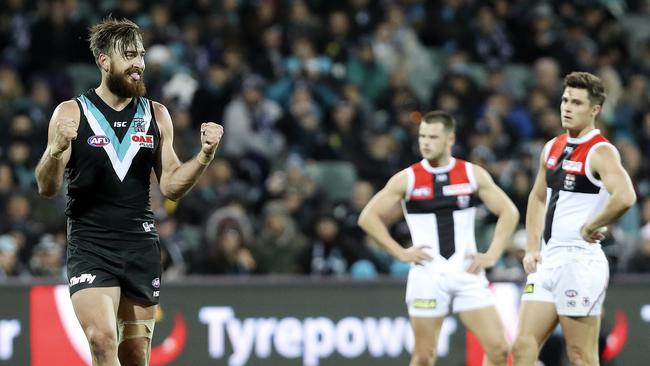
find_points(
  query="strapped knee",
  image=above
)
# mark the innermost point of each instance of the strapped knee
(135, 329)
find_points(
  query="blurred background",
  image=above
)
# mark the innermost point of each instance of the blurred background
(320, 101)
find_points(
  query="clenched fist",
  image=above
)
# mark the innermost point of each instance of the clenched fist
(531, 260)
(210, 136)
(64, 133)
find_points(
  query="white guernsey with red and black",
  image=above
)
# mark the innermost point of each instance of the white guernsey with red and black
(573, 193)
(439, 207)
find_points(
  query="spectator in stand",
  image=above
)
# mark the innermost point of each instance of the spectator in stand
(19, 219)
(47, 259)
(640, 260)
(228, 254)
(6, 183)
(251, 120)
(366, 72)
(213, 95)
(280, 243)
(491, 44)
(10, 266)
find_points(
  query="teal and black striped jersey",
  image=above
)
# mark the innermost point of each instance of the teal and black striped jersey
(109, 172)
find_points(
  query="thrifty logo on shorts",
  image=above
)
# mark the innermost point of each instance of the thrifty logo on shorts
(425, 304)
(530, 288)
(86, 277)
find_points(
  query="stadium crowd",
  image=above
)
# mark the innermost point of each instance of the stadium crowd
(320, 102)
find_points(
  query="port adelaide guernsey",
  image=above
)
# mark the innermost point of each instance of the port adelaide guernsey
(109, 172)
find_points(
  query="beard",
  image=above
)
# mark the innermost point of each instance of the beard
(122, 85)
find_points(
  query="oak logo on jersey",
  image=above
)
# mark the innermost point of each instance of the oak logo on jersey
(457, 189)
(143, 140)
(420, 193)
(425, 303)
(570, 182)
(572, 166)
(98, 141)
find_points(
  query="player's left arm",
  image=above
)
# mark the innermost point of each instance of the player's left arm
(177, 178)
(499, 204)
(605, 163)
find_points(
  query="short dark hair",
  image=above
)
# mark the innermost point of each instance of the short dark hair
(589, 82)
(113, 35)
(448, 122)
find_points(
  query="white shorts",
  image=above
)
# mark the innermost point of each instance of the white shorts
(429, 294)
(574, 280)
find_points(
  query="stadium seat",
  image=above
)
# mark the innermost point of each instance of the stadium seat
(335, 178)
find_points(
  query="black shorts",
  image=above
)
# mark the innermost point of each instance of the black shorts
(135, 270)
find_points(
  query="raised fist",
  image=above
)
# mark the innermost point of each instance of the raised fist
(64, 133)
(210, 136)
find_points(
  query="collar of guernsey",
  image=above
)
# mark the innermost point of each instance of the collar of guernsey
(121, 154)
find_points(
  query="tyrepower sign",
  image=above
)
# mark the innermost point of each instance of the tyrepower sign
(311, 339)
(229, 339)
(230, 323)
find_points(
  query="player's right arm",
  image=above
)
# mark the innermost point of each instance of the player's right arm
(61, 131)
(370, 220)
(535, 213)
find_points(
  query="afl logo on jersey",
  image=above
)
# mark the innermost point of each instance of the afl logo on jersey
(550, 164)
(422, 193)
(98, 141)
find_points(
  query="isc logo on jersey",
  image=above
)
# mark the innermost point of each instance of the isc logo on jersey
(143, 140)
(98, 141)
